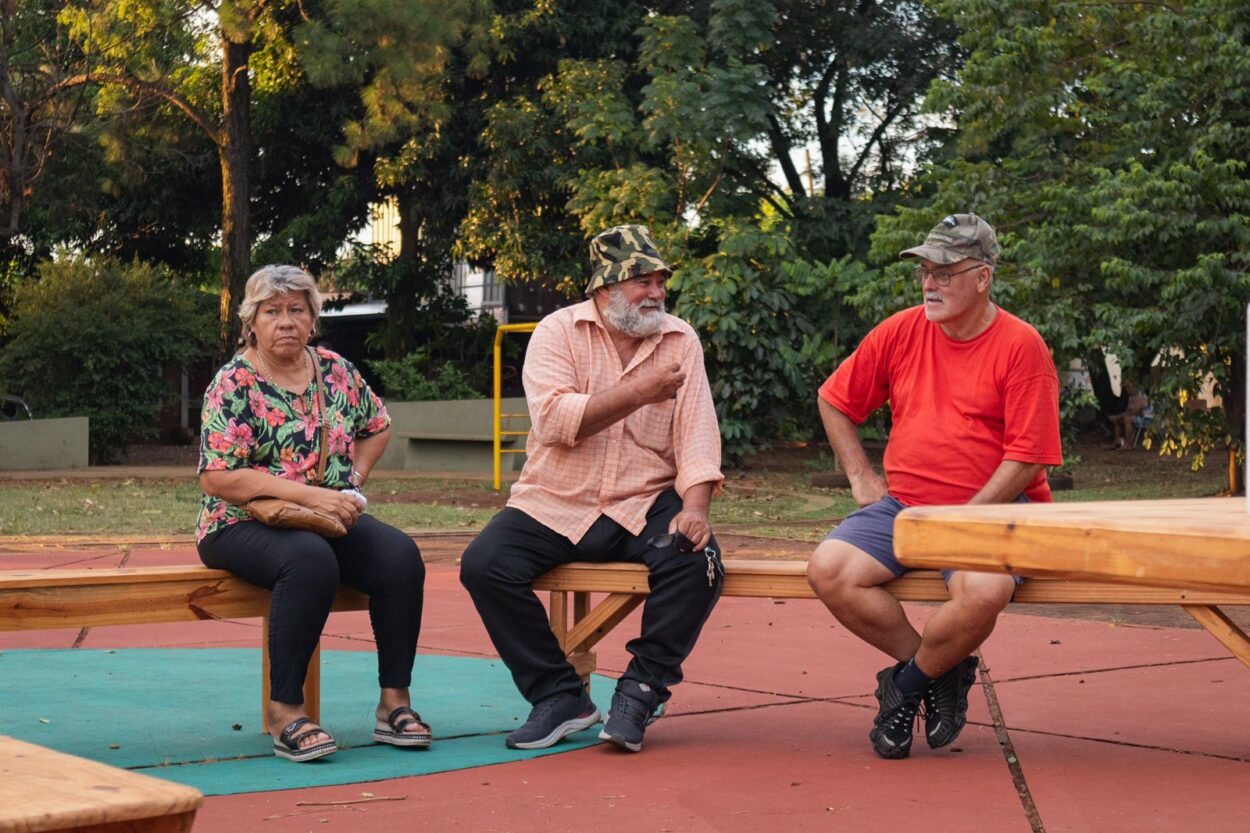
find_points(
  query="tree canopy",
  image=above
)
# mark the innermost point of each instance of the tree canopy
(1108, 143)
(782, 151)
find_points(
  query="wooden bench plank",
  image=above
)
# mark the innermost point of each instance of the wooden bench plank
(626, 586)
(507, 437)
(44, 790)
(1190, 542)
(42, 599)
(45, 599)
(788, 580)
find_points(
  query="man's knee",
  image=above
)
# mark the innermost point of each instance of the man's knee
(477, 565)
(836, 568)
(982, 595)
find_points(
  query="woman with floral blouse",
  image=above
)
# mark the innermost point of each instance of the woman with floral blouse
(262, 436)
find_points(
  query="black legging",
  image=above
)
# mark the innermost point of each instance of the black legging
(304, 570)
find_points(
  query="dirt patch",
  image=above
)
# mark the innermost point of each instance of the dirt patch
(162, 455)
(468, 498)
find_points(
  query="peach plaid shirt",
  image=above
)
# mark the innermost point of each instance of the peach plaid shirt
(566, 485)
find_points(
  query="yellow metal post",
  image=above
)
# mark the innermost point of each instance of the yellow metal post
(498, 391)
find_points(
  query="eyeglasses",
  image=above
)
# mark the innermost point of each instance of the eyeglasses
(671, 539)
(941, 278)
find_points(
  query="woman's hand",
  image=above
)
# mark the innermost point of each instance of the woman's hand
(333, 502)
(241, 485)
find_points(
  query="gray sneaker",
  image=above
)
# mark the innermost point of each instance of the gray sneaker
(633, 709)
(552, 719)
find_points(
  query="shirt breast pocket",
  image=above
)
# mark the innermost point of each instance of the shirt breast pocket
(651, 426)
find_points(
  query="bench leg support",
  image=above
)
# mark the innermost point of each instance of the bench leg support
(1223, 629)
(590, 624)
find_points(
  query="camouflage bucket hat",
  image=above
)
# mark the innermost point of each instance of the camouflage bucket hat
(957, 237)
(623, 252)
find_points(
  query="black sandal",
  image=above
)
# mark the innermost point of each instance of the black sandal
(287, 745)
(392, 730)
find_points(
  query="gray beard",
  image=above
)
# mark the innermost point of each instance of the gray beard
(628, 318)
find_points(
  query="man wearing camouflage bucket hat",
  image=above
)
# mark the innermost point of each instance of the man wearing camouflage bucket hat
(974, 398)
(623, 458)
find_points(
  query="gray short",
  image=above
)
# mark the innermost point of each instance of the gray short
(871, 529)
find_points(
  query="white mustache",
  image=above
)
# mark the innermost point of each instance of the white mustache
(933, 296)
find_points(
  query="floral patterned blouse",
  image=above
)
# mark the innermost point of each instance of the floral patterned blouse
(247, 421)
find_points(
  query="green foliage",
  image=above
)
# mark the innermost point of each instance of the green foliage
(1108, 144)
(436, 321)
(394, 52)
(769, 325)
(415, 378)
(561, 84)
(91, 338)
(675, 124)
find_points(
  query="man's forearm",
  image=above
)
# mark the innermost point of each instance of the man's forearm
(238, 486)
(698, 498)
(844, 439)
(608, 407)
(1007, 482)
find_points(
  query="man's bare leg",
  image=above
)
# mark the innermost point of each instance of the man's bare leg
(958, 627)
(848, 581)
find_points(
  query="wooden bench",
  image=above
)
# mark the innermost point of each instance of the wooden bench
(43, 599)
(626, 587)
(43, 791)
(459, 451)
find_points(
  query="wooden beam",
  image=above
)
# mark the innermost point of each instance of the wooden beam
(597, 623)
(1222, 628)
(41, 789)
(1199, 543)
(43, 599)
(788, 580)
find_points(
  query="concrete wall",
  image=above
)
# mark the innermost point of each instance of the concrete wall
(457, 435)
(44, 444)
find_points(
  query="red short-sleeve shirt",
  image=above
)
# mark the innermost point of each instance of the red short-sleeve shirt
(959, 407)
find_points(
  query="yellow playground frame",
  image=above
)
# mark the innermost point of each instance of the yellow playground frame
(498, 390)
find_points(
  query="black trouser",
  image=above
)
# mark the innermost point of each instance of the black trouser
(499, 567)
(304, 570)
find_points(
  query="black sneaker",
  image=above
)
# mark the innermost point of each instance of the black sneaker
(896, 716)
(946, 703)
(552, 719)
(633, 709)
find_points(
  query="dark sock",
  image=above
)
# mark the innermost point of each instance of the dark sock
(910, 679)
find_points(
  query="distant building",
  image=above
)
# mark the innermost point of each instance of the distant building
(511, 303)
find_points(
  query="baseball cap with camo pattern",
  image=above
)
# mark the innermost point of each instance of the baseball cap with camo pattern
(623, 252)
(957, 237)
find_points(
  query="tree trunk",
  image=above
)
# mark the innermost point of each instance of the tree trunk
(405, 291)
(235, 151)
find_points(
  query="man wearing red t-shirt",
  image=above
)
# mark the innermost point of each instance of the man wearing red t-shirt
(974, 398)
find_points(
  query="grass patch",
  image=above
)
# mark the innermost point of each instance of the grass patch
(170, 507)
(776, 502)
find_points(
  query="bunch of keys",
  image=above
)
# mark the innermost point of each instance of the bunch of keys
(684, 544)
